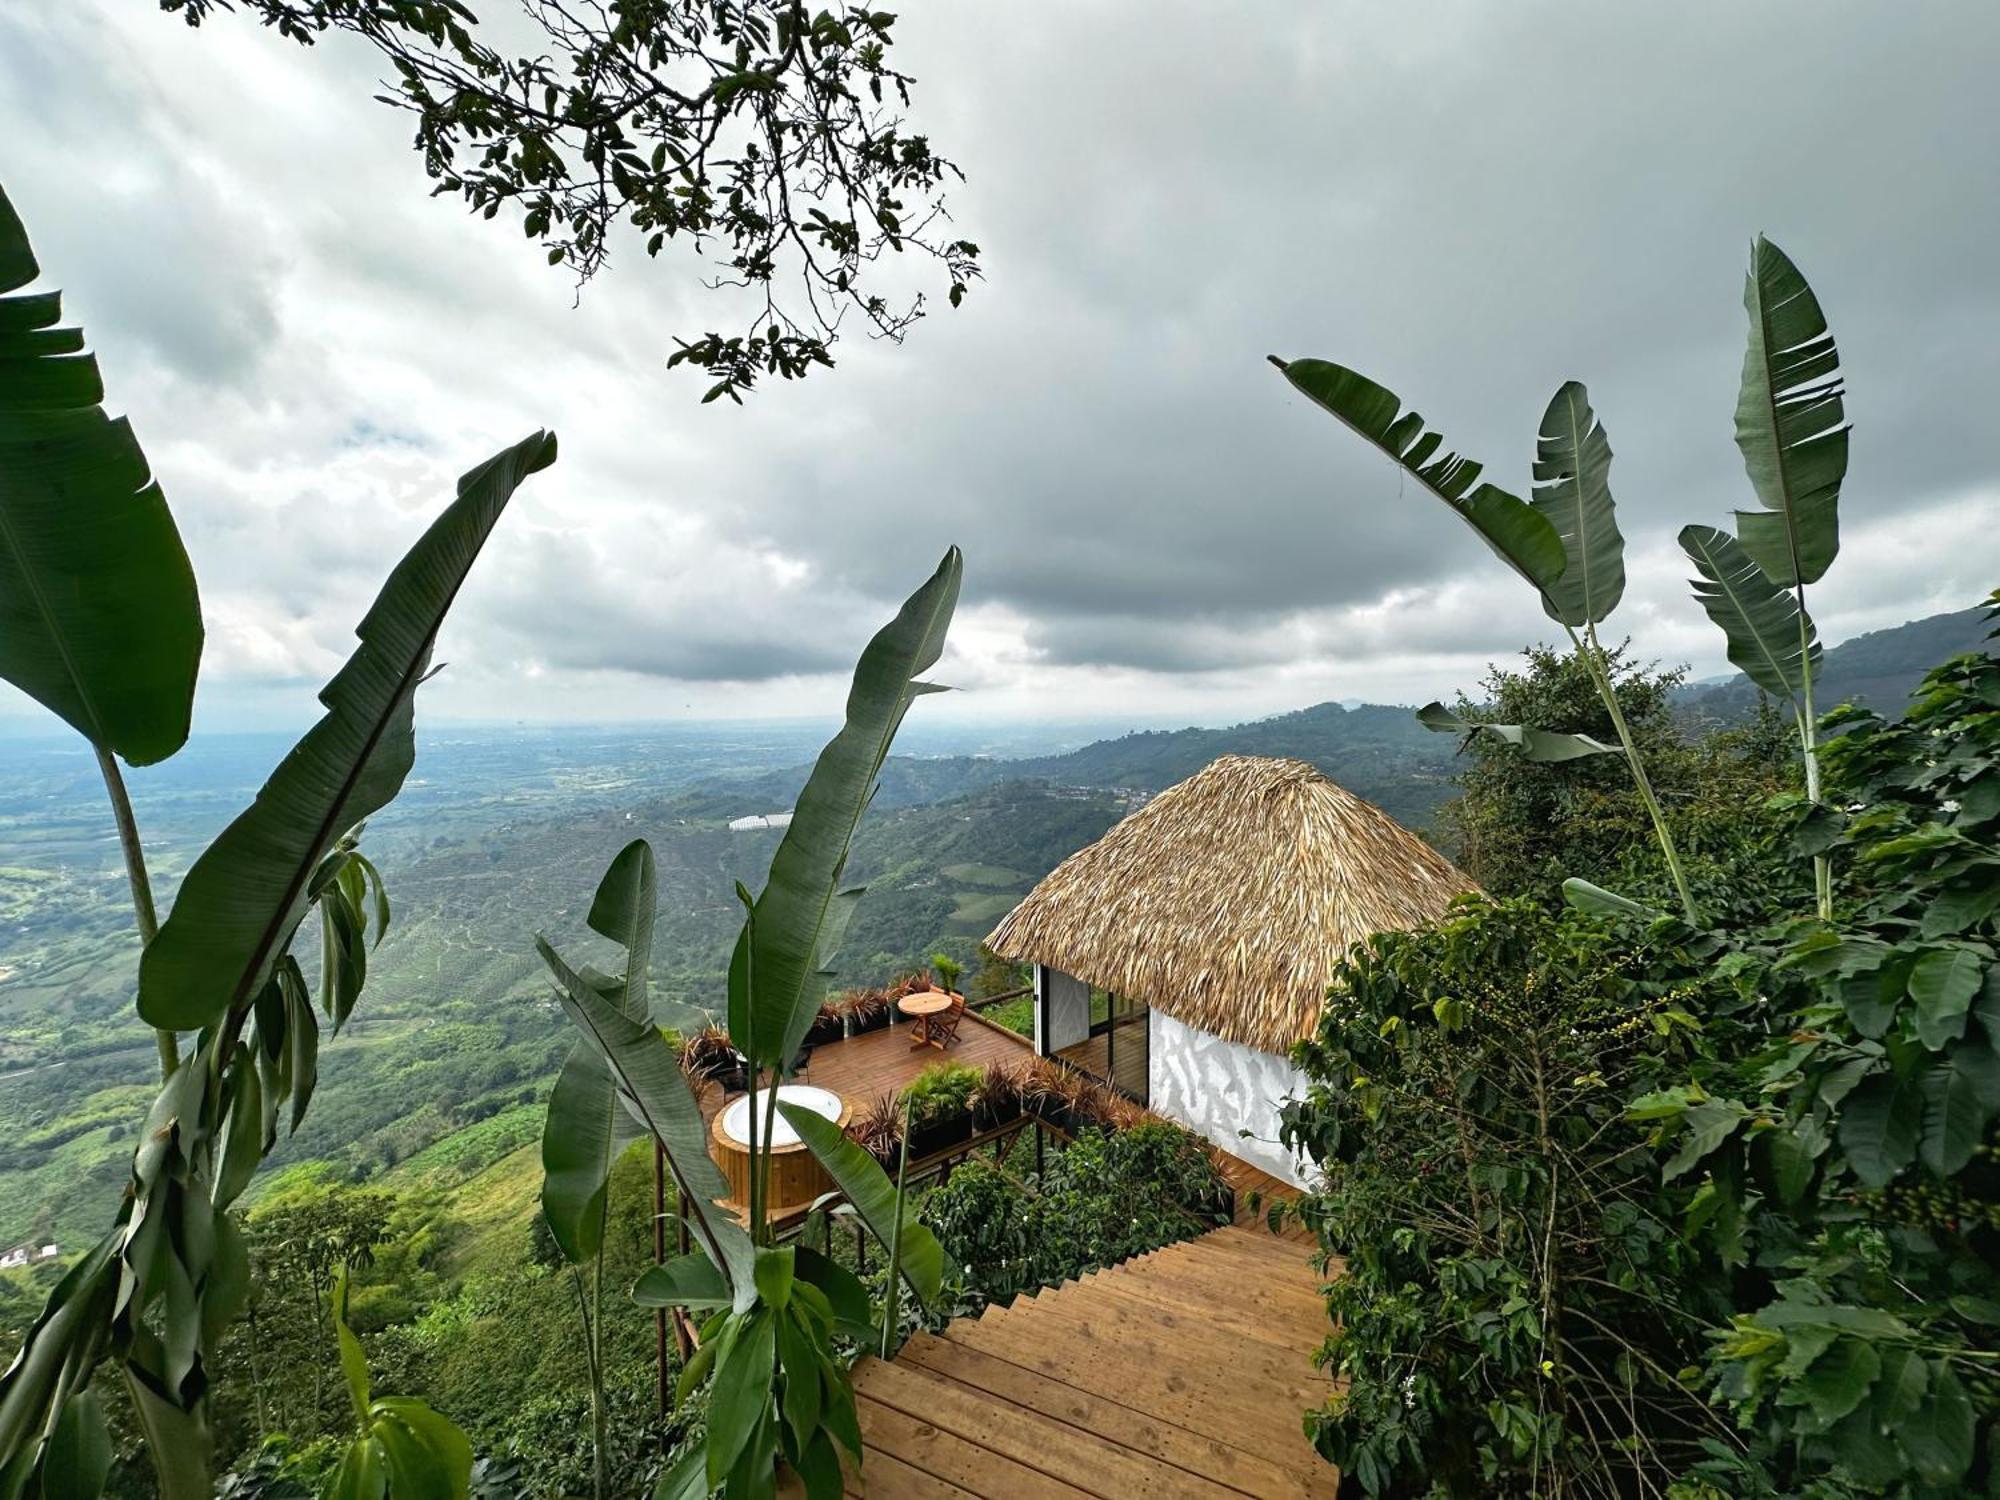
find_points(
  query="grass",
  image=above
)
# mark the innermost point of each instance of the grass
(1015, 1015)
(466, 1153)
(981, 906)
(977, 874)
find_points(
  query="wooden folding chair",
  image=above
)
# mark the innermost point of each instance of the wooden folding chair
(944, 1025)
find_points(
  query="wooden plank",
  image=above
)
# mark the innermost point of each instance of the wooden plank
(1230, 1366)
(1196, 1279)
(1054, 1448)
(1174, 1311)
(1294, 1275)
(1160, 1314)
(1254, 1247)
(1244, 1469)
(883, 1476)
(1173, 1390)
(1280, 1248)
(944, 1455)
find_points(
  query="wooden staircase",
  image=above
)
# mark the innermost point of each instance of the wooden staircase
(1185, 1372)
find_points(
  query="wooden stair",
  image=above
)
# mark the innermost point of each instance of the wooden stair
(1183, 1373)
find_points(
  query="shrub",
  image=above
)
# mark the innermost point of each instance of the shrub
(1101, 1200)
(1515, 1299)
(1850, 1162)
(941, 1093)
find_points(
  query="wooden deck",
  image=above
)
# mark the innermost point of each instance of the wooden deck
(1184, 1373)
(879, 1062)
(861, 1069)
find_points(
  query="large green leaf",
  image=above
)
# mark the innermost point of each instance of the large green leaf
(1771, 638)
(780, 958)
(245, 895)
(59, 1351)
(1791, 423)
(1573, 492)
(98, 616)
(584, 1133)
(586, 1128)
(1539, 745)
(652, 1086)
(626, 903)
(861, 1179)
(1954, 1120)
(1942, 984)
(1520, 535)
(1880, 1125)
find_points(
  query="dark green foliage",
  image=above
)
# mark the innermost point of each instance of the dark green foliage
(1522, 827)
(943, 1091)
(767, 143)
(1108, 1196)
(1850, 1163)
(1516, 1294)
(401, 1447)
(1755, 1231)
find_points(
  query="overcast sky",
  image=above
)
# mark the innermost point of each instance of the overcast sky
(1470, 202)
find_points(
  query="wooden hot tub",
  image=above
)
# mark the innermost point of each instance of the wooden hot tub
(797, 1178)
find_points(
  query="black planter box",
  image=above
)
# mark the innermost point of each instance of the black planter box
(991, 1117)
(928, 1140)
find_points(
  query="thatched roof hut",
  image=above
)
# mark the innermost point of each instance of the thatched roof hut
(1227, 899)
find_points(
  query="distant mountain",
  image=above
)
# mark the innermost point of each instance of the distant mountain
(1375, 751)
(1879, 669)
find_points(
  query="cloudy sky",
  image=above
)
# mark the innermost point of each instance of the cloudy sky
(1471, 202)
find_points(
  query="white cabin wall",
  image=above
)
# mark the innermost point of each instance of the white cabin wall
(1217, 1088)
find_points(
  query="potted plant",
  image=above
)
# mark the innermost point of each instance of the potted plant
(863, 1010)
(948, 970)
(828, 1025)
(940, 1100)
(997, 1100)
(878, 1129)
(710, 1057)
(1052, 1092)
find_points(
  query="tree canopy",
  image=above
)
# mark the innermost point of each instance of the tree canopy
(767, 139)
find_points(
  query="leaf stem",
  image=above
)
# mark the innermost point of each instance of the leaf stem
(1598, 665)
(892, 1308)
(142, 886)
(1809, 748)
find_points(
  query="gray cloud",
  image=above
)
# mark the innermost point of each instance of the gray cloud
(1472, 206)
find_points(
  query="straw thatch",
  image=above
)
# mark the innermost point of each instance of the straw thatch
(1227, 899)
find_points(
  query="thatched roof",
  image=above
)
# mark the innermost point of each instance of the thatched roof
(1227, 899)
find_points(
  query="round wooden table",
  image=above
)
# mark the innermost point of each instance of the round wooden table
(921, 1007)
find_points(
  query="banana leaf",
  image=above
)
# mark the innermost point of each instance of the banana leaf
(652, 1087)
(919, 1256)
(586, 1128)
(1539, 745)
(99, 621)
(624, 909)
(1573, 492)
(1518, 534)
(245, 896)
(798, 916)
(1791, 424)
(1771, 638)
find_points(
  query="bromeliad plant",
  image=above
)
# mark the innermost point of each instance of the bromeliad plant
(100, 623)
(1564, 541)
(774, 1316)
